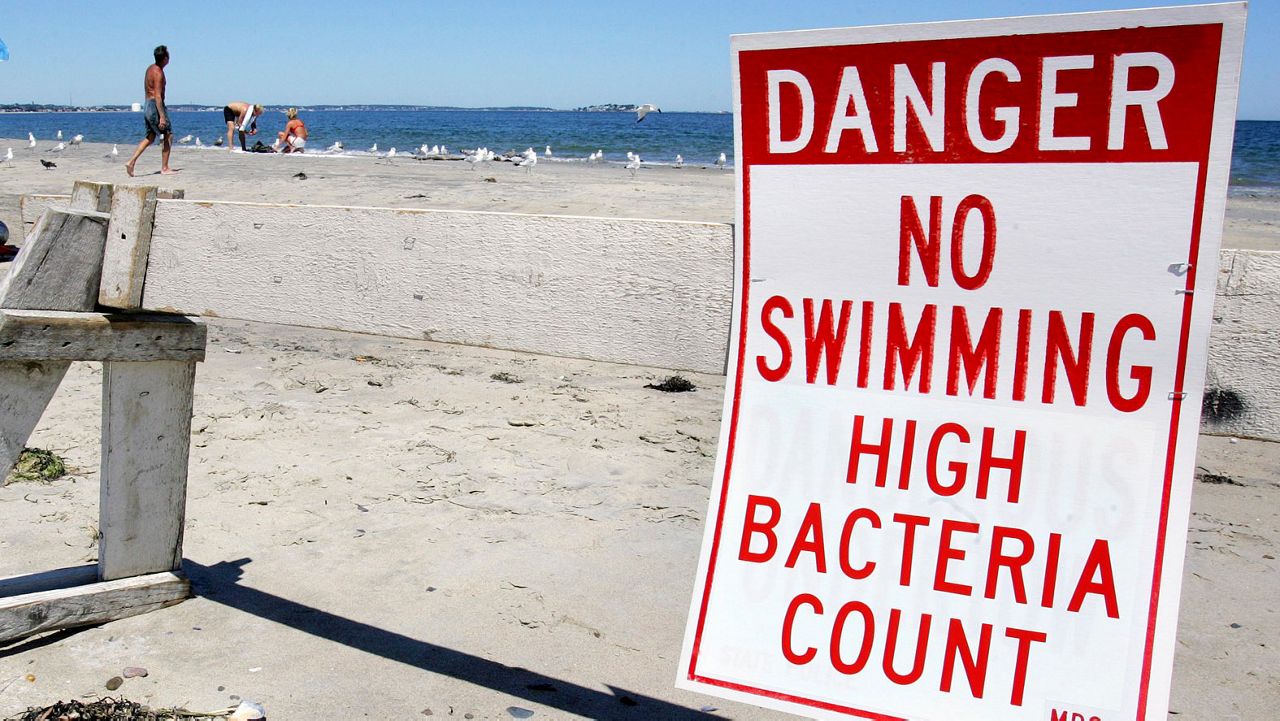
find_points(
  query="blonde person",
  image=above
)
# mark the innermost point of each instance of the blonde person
(243, 117)
(294, 137)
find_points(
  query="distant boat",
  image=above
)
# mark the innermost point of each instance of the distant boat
(136, 107)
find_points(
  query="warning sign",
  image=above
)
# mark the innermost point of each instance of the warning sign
(976, 268)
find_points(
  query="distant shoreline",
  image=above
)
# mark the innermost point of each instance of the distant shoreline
(12, 109)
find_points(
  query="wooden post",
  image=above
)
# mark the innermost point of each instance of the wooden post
(124, 262)
(146, 434)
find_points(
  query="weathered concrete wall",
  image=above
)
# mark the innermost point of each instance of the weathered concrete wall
(647, 292)
(1242, 388)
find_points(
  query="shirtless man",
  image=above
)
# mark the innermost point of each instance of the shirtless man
(294, 137)
(236, 115)
(155, 115)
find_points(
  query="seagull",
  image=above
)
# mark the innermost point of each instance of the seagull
(645, 109)
(679, 161)
(59, 135)
(48, 165)
(391, 153)
(721, 161)
(424, 150)
(217, 143)
(185, 139)
(630, 156)
(548, 153)
(527, 160)
(479, 156)
(198, 143)
(435, 149)
(374, 149)
(444, 150)
(115, 150)
(57, 148)
(8, 156)
(336, 147)
(77, 139)
(634, 165)
(31, 141)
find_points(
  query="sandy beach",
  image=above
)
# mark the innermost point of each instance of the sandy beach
(393, 529)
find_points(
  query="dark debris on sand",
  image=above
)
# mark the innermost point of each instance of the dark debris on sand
(106, 709)
(674, 384)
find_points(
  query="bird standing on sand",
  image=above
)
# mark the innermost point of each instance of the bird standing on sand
(391, 153)
(336, 147)
(59, 135)
(721, 161)
(548, 152)
(679, 161)
(8, 156)
(77, 139)
(634, 165)
(527, 160)
(185, 139)
(645, 109)
(198, 143)
(374, 149)
(31, 141)
(57, 148)
(48, 165)
(115, 150)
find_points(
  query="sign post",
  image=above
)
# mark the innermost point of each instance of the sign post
(975, 277)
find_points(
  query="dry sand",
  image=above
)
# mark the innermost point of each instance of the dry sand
(380, 527)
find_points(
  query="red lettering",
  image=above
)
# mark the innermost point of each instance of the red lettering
(1141, 374)
(1099, 564)
(1024, 639)
(809, 538)
(909, 525)
(958, 468)
(1015, 563)
(974, 357)
(1012, 464)
(988, 214)
(1075, 365)
(1020, 363)
(837, 637)
(1051, 570)
(750, 527)
(846, 536)
(819, 340)
(864, 348)
(975, 664)
(880, 450)
(948, 553)
(804, 599)
(773, 375)
(911, 233)
(891, 649)
(917, 354)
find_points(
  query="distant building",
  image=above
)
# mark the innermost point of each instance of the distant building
(136, 107)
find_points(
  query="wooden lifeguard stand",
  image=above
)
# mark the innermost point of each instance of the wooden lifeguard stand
(72, 294)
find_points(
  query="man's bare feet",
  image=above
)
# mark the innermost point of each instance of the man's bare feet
(166, 171)
(128, 168)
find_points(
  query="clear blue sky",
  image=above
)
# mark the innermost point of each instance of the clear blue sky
(557, 54)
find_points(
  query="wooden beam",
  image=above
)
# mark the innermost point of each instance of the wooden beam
(60, 265)
(146, 436)
(90, 604)
(26, 388)
(40, 335)
(124, 262)
(87, 195)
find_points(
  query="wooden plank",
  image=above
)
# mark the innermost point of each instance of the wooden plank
(124, 262)
(87, 195)
(26, 387)
(48, 580)
(60, 266)
(58, 335)
(647, 292)
(43, 611)
(146, 435)
(33, 206)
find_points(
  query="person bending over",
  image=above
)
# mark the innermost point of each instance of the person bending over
(243, 117)
(294, 137)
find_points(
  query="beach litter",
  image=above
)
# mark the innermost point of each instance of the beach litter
(37, 464)
(111, 709)
(673, 384)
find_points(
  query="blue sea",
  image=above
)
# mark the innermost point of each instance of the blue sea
(699, 137)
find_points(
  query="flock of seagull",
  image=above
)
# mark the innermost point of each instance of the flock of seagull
(527, 160)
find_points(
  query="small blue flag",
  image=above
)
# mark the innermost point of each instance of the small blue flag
(4, 52)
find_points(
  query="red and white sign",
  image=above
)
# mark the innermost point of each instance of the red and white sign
(976, 269)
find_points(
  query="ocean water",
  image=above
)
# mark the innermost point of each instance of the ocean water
(699, 137)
